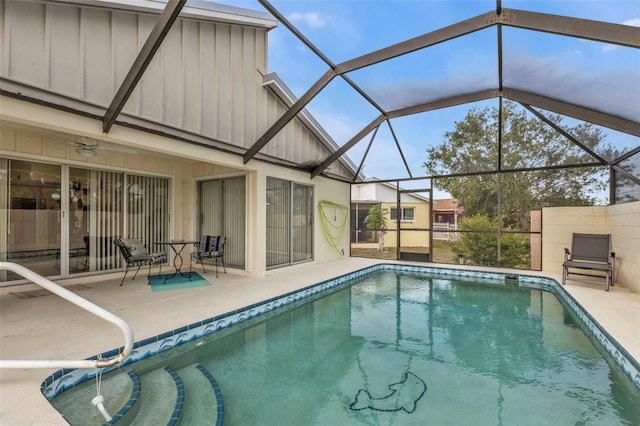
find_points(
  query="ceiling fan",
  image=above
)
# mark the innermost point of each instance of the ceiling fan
(87, 147)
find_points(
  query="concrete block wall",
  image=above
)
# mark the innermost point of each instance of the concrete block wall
(621, 221)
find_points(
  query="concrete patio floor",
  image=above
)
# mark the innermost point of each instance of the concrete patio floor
(48, 327)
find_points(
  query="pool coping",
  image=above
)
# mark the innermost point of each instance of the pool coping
(66, 379)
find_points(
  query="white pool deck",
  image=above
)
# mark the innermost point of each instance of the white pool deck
(47, 327)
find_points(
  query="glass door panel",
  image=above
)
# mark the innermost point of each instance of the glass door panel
(147, 209)
(95, 219)
(222, 211)
(278, 221)
(32, 213)
(302, 223)
(234, 220)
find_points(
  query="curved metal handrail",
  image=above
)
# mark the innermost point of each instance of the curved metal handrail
(84, 304)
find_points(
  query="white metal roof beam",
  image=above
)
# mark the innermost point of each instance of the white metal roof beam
(151, 45)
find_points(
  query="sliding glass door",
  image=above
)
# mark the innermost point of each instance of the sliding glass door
(222, 211)
(289, 222)
(62, 220)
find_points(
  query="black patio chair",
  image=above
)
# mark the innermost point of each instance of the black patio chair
(589, 252)
(136, 254)
(209, 247)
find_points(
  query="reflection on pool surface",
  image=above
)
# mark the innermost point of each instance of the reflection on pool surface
(391, 347)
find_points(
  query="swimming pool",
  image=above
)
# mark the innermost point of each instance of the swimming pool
(390, 344)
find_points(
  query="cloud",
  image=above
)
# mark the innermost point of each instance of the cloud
(635, 22)
(311, 19)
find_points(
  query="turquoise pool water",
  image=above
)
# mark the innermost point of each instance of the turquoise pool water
(403, 348)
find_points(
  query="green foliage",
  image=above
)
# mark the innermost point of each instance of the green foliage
(527, 142)
(376, 220)
(481, 247)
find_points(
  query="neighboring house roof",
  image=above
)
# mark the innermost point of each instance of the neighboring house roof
(446, 204)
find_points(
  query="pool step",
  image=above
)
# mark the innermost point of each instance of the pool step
(160, 397)
(203, 401)
(120, 391)
(189, 396)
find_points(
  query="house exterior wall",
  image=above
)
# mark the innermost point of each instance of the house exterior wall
(408, 238)
(621, 221)
(386, 196)
(204, 85)
(168, 159)
(206, 79)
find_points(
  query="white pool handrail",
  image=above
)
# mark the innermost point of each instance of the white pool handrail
(84, 304)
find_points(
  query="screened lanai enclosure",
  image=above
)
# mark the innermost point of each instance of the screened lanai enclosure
(504, 107)
(457, 122)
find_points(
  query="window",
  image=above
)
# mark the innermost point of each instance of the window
(406, 213)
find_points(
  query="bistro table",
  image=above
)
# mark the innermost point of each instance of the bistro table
(177, 246)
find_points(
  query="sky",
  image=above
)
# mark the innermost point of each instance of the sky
(578, 71)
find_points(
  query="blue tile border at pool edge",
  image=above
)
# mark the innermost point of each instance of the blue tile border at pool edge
(62, 380)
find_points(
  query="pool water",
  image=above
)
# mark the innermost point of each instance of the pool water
(402, 348)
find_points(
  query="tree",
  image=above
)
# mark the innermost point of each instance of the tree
(376, 221)
(527, 142)
(481, 247)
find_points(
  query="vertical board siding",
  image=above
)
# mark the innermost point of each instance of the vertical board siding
(191, 96)
(149, 93)
(124, 48)
(206, 77)
(222, 73)
(252, 76)
(63, 36)
(97, 59)
(237, 87)
(26, 42)
(172, 78)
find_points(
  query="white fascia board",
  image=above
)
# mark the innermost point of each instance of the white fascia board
(201, 10)
(280, 89)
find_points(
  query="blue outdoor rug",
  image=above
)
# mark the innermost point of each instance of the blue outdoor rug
(176, 283)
